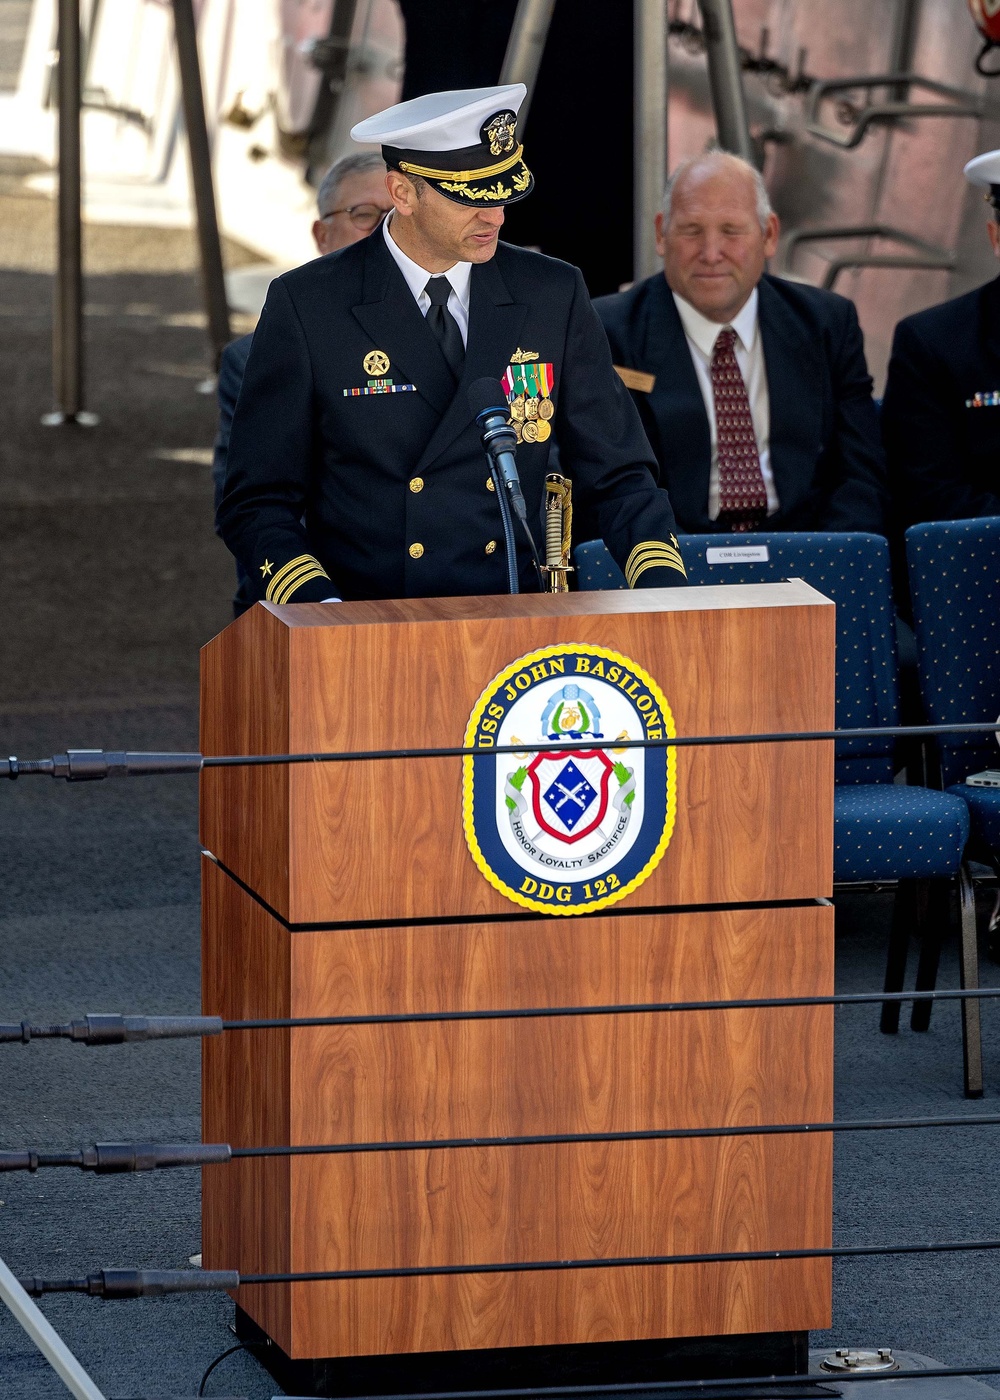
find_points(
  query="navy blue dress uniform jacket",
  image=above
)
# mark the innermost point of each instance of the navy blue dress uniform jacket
(388, 495)
(826, 454)
(941, 411)
(232, 364)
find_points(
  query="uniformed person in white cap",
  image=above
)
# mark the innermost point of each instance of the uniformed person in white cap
(941, 412)
(355, 469)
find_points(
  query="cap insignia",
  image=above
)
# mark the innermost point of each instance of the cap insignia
(500, 133)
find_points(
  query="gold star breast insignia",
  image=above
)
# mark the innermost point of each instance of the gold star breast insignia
(376, 362)
(266, 567)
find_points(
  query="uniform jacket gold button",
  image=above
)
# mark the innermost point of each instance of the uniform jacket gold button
(489, 484)
(417, 484)
(416, 550)
(491, 546)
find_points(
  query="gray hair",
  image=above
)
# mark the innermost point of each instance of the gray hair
(359, 163)
(764, 209)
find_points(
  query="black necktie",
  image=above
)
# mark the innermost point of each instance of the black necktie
(444, 325)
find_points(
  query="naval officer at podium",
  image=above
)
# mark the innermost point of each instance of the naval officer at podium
(355, 467)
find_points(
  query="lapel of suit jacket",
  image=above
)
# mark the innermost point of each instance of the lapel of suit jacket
(793, 363)
(676, 403)
(495, 322)
(391, 316)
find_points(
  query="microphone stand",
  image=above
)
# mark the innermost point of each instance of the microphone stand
(499, 443)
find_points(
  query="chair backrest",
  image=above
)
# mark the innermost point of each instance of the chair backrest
(853, 570)
(954, 570)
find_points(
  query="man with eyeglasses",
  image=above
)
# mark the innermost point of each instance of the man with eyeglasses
(356, 470)
(352, 201)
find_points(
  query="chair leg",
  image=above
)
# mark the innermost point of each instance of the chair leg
(905, 915)
(933, 933)
(993, 927)
(972, 1043)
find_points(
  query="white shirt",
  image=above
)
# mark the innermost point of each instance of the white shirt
(460, 277)
(701, 335)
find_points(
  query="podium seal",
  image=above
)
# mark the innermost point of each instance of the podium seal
(582, 823)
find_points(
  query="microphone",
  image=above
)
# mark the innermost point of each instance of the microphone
(489, 408)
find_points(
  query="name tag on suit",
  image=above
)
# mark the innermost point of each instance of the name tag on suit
(986, 398)
(636, 379)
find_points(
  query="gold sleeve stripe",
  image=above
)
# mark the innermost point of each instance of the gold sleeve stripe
(281, 577)
(641, 551)
(283, 572)
(652, 554)
(295, 582)
(652, 547)
(290, 582)
(655, 564)
(485, 173)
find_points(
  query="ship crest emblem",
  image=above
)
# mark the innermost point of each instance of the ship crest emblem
(569, 827)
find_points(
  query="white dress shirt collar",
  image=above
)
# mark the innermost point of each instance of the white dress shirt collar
(416, 277)
(704, 332)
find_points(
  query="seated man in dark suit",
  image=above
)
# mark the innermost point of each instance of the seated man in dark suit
(351, 201)
(941, 413)
(753, 391)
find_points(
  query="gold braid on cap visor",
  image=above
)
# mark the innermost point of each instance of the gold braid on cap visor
(485, 173)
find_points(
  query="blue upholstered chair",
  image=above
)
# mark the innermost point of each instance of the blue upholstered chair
(954, 568)
(883, 831)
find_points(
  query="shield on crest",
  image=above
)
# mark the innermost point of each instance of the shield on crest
(569, 792)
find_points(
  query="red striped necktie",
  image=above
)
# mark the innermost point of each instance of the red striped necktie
(742, 494)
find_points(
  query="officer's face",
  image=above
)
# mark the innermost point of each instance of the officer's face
(436, 232)
(714, 249)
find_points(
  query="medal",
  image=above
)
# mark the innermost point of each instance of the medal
(542, 428)
(531, 408)
(530, 430)
(517, 408)
(546, 408)
(517, 430)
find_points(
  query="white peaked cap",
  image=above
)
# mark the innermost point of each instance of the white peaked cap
(984, 170)
(439, 121)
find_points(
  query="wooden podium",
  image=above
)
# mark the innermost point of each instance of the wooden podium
(350, 889)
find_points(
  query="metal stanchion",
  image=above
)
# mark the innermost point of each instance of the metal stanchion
(46, 1339)
(901, 44)
(67, 324)
(649, 130)
(525, 47)
(209, 244)
(332, 57)
(725, 77)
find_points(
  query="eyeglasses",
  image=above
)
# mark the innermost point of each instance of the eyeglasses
(363, 216)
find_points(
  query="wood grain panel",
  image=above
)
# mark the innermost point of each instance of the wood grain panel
(596, 1073)
(491, 1205)
(384, 840)
(564, 1202)
(573, 1074)
(246, 1095)
(598, 1305)
(244, 710)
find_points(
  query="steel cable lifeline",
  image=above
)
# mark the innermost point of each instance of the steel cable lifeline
(145, 1283)
(112, 1158)
(103, 1029)
(88, 765)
